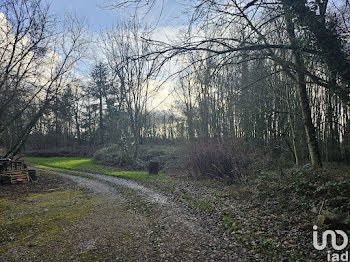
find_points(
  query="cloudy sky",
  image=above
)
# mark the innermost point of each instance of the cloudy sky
(167, 17)
(164, 14)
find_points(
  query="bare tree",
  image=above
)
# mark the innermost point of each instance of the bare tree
(132, 76)
(36, 60)
(259, 21)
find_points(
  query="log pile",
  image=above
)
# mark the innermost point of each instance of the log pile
(15, 172)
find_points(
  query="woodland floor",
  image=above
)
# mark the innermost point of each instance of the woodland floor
(81, 216)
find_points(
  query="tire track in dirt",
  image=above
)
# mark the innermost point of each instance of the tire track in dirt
(175, 233)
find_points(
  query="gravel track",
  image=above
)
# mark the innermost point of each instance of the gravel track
(175, 233)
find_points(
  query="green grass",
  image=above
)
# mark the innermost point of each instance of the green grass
(64, 164)
(186, 196)
(230, 224)
(60, 170)
(73, 163)
(203, 205)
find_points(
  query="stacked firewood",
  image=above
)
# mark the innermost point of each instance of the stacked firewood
(15, 172)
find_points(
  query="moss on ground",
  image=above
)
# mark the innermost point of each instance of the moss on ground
(40, 217)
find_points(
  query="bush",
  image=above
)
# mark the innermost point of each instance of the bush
(169, 157)
(121, 157)
(114, 155)
(218, 161)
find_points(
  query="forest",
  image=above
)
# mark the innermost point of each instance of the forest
(251, 94)
(273, 76)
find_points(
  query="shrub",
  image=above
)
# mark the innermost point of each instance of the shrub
(218, 161)
(168, 156)
(114, 155)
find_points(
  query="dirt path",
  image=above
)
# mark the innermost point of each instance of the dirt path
(172, 233)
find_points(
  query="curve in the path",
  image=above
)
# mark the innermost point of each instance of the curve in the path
(182, 235)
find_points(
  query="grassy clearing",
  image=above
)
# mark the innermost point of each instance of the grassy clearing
(40, 217)
(60, 170)
(64, 164)
(73, 163)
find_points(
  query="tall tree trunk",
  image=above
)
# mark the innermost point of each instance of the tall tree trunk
(57, 131)
(304, 100)
(101, 117)
(77, 126)
(294, 140)
(306, 115)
